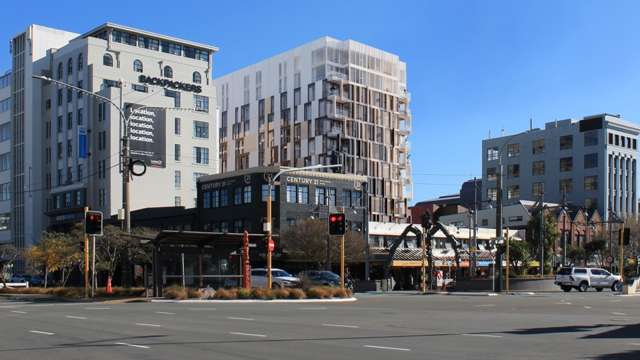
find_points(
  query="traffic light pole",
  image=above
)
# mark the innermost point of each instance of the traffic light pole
(86, 258)
(93, 266)
(621, 258)
(342, 262)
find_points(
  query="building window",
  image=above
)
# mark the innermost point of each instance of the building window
(224, 197)
(311, 92)
(321, 195)
(5, 132)
(617, 142)
(215, 198)
(197, 78)
(177, 201)
(176, 126)
(538, 146)
(69, 67)
(303, 194)
(173, 94)
(537, 189)
(137, 66)
(492, 153)
(513, 191)
(264, 189)
(590, 161)
(140, 88)
(168, 72)
(5, 192)
(513, 150)
(107, 60)
(346, 198)
(566, 142)
(513, 171)
(176, 152)
(4, 161)
(610, 138)
(201, 155)
(332, 196)
(291, 194)
(206, 199)
(492, 194)
(237, 196)
(201, 103)
(177, 179)
(60, 71)
(69, 148)
(566, 164)
(80, 62)
(80, 116)
(635, 144)
(591, 138)
(537, 168)
(566, 186)
(247, 194)
(201, 129)
(590, 183)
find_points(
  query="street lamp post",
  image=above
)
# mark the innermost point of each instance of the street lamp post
(268, 224)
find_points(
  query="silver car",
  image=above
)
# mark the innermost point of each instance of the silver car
(582, 279)
(279, 278)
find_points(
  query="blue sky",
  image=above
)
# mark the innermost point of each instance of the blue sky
(473, 66)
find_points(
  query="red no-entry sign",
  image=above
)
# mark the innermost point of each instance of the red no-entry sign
(272, 245)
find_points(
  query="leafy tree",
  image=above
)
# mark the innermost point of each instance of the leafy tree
(519, 256)
(576, 254)
(550, 233)
(596, 248)
(109, 249)
(8, 254)
(307, 241)
(56, 251)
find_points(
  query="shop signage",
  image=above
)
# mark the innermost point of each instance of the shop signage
(170, 84)
(306, 181)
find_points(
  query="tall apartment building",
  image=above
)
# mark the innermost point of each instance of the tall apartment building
(590, 163)
(5, 158)
(327, 98)
(66, 145)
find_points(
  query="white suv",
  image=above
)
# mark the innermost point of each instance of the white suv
(583, 278)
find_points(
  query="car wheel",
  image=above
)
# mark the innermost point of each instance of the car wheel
(598, 289)
(617, 286)
(566, 288)
(583, 287)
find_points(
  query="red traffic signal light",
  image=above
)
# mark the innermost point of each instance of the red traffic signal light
(337, 224)
(93, 223)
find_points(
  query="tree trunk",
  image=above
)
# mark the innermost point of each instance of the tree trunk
(46, 275)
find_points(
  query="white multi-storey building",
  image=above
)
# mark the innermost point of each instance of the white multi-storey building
(327, 99)
(66, 145)
(590, 163)
(5, 158)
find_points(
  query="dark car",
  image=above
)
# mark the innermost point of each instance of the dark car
(320, 277)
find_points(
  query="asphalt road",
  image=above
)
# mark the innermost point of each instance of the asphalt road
(554, 326)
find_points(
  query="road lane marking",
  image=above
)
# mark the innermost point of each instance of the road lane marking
(97, 308)
(150, 325)
(133, 345)
(342, 326)
(239, 318)
(386, 348)
(587, 307)
(202, 309)
(18, 312)
(314, 308)
(76, 317)
(165, 313)
(41, 332)
(634, 344)
(247, 334)
(485, 305)
(618, 314)
(483, 335)
(563, 303)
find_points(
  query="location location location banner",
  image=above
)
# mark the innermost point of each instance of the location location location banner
(147, 137)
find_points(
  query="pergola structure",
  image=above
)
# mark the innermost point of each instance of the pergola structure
(199, 258)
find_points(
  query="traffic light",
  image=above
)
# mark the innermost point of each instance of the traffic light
(93, 223)
(337, 224)
(626, 236)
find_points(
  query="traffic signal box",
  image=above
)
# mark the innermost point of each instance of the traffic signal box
(337, 224)
(93, 223)
(626, 236)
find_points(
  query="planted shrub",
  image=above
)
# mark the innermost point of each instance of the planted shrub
(282, 293)
(194, 293)
(319, 292)
(244, 293)
(262, 294)
(226, 294)
(175, 292)
(296, 294)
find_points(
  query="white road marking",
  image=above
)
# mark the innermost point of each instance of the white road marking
(342, 326)
(483, 335)
(97, 308)
(563, 303)
(587, 307)
(485, 305)
(165, 313)
(150, 325)
(634, 344)
(314, 308)
(76, 317)
(202, 309)
(247, 334)
(618, 313)
(18, 312)
(239, 318)
(133, 345)
(41, 332)
(386, 348)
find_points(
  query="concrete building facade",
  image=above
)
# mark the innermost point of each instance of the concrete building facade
(66, 147)
(5, 158)
(590, 163)
(326, 100)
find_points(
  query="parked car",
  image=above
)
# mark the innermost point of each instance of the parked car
(582, 279)
(19, 279)
(279, 278)
(320, 277)
(36, 280)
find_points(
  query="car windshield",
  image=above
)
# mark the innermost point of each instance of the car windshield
(330, 275)
(564, 271)
(279, 273)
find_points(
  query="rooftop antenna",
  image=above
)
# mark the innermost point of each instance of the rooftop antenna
(530, 124)
(489, 133)
(556, 122)
(502, 132)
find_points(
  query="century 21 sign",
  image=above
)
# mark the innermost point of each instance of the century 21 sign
(170, 84)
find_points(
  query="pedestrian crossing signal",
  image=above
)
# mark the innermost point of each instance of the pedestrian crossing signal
(337, 224)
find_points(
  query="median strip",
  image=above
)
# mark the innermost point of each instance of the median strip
(247, 334)
(386, 348)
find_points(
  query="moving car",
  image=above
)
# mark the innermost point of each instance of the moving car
(320, 277)
(583, 278)
(279, 278)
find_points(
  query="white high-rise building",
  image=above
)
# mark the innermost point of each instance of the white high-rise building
(65, 145)
(325, 99)
(5, 158)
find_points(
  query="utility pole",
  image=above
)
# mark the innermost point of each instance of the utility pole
(86, 257)
(474, 244)
(126, 177)
(423, 246)
(498, 259)
(621, 256)
(541, 239)
(508, 263)
(269, 240)
(365, 228)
